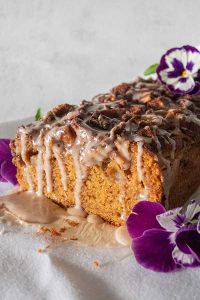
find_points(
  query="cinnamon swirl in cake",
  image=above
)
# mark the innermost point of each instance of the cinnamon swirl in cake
(138, 141)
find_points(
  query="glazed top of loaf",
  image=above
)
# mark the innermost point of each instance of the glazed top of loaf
(141, 110)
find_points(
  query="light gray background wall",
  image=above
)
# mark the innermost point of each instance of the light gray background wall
(53, 51)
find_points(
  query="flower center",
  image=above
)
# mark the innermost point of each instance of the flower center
(184, 73)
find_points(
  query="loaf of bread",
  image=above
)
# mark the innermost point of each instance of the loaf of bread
(137, 142)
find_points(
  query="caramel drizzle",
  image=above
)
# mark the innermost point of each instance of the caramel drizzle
(47, 160)
(140, 171)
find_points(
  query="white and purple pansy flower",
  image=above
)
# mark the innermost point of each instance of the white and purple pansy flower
(179, 70)
(165, 241)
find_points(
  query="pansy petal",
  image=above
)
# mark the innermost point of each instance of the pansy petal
(190, 65)
(153, 250)
(178, 91)
(5, 152)
(188, 241)
(198, 225)
(190, 49)
(197, 76)
(183, 259)
(196, 89)
(170, 220)
(163, 66)
(143, 217)
(195, 59)
(8, 171)
(167, 78)
(186, 86)
(192, 209)
(1, 178)
(177, 68)
(178, 54)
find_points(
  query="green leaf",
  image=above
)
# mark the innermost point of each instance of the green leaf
(194, 221)
(151, 70)
(38, 114)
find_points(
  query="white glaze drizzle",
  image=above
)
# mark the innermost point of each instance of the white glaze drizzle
(139, 161)
(140, 171)
(77, 212)
(121, 199)
(122, 236)
(79, 176)
(24, 158)
(123, 150)
(45, 147)
(47, 161)
(86, 154)
(28, 209)
(39, 165)
(94, 219)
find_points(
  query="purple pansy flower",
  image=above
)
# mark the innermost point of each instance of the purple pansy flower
(165, 241)
(7, 169)
(179, 70)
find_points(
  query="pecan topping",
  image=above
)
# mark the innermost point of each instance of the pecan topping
(137, 108)
(120, 89)
(68, 136)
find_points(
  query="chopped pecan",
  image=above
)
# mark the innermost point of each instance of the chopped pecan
(137, 109)
(58, 112)
(68, 136)
(120, 89)
(146, 131)
(159, 103)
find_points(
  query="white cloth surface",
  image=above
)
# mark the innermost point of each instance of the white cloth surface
(67, 272)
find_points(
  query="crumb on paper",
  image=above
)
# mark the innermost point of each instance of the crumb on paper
(96, 264)
(43, 230)
(52, 231)
(40, 250)
(63, 229)
(72, 223)
(73, 238)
